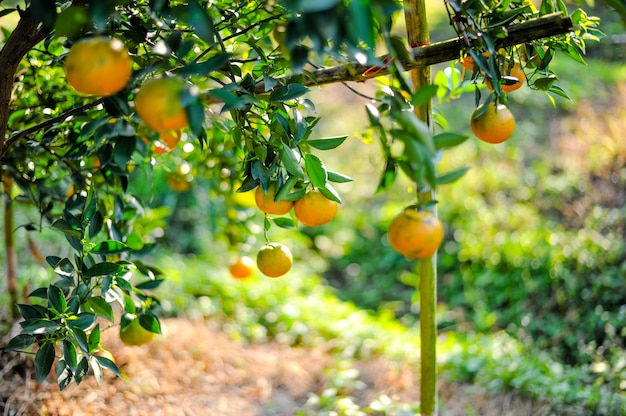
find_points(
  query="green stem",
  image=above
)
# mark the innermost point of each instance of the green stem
(418, 35)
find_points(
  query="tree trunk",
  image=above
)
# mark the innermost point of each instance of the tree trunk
(9, 247)
(24, 37)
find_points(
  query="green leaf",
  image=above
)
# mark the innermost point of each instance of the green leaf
(288, 92)
(362, 22)
(448, 139)
(214, 63)
(388, 176)
(99, 306)
(299, 130)
(295, 195)
(103, 269)
(195, 15)
(20, 342)
(44, 360)
(452, 176)
(330, 193)
(312, 6)
(110, 247)
(70, 21)
(423, 95)
(338, 177)
(56, 299)
(373, 114)
(416, 129)
(315, 170)
(284, 190)
(327, 143)
(283, 222)
(291, 162)
(94, 339)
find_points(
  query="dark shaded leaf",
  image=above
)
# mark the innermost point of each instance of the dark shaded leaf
(33, 311)
(56, 299)
(69, 354)
(103, 269)
(150, 322)
(39, 327)
(150, 284)
(44, 360)
(20, 342)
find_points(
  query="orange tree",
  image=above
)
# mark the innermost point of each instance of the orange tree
(96, 94)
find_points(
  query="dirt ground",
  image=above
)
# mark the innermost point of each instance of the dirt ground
(196, 369)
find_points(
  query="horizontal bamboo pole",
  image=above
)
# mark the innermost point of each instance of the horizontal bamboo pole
(439, 52)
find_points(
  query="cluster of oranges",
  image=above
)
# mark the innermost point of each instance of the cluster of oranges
(275, 259)
(495, 123)
(101, 66)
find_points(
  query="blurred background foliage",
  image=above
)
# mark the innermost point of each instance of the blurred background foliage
(535, 234)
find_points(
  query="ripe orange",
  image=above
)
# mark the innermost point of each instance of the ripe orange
(168, 140)
(159, 106)
(134, 334)
(314, 209)
(468, 62)
(179, 183)
(415, 234)
(98, 66)
(274, 259)
(265, 201)
(242, 267)
(495, 125)
(514, 73)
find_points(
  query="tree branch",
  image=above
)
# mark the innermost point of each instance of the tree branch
(52, 121)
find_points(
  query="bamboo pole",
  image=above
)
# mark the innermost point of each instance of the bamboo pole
(418, 36)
